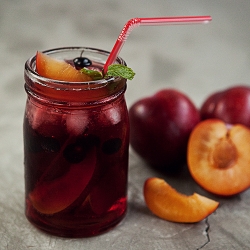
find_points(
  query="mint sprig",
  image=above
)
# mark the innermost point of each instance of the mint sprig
(120, 70)
(94, 74)
(113, 70)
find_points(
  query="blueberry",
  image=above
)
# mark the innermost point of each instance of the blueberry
(74, 152)
(50, 144)
(77, 151)
(32, 142)
(37, 143)
(88, 140)
(81, 62)
(111, 146)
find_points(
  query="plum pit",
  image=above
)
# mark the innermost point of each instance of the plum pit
(224, 154)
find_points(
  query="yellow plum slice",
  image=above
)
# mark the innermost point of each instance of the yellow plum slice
(168, 204)
(52, 68)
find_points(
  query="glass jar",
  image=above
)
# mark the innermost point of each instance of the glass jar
(76, 137)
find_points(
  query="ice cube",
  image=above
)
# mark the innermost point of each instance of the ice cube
(77, 122)
(38, 115)
(34, 115)
(110, 115)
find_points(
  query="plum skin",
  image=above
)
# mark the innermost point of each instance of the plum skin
(231, 105)
(160, 126)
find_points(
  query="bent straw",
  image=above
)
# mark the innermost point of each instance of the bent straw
(135, 22)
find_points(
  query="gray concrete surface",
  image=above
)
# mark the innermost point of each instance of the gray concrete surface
(196, 59)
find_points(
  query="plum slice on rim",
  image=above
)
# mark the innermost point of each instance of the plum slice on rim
(55, 69)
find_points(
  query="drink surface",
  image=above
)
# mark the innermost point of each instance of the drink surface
(76, 163)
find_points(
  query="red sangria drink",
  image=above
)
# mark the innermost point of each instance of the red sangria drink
(76, 137)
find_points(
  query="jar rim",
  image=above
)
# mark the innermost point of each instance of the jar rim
(74, 91)
(63, 85)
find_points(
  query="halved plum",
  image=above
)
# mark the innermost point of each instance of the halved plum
(52, 68)
(51, 197)
(218, 157)
(168, 204)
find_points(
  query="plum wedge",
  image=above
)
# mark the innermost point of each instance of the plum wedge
(51, 197)
(168, 204)
(52, 68)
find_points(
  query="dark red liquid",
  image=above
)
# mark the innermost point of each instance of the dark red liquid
(76, 163)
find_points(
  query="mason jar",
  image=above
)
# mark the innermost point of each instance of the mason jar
(76, 137)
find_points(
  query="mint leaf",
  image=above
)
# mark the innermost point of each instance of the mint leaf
(94, 74)
(120, 70)
(113, 70)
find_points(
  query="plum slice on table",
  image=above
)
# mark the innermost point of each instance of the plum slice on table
(51, 197)
(168, 204)
(218, 157)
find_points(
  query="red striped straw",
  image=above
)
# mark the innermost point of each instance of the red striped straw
(135, 22)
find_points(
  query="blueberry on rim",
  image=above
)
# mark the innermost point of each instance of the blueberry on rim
(81, 62)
